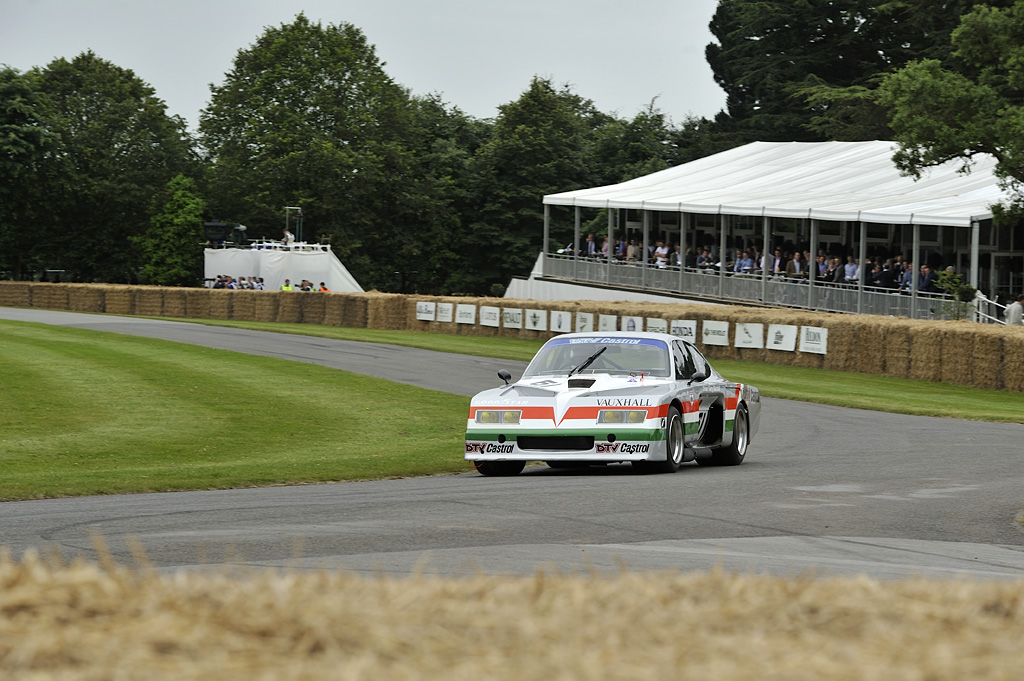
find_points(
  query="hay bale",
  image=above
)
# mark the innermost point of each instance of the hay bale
(386, 311)
(1013, 350)
(314, 307)
(925, 352)
(243, 304)
(265, 305)
(289, 307)
(119, 299)
(220, 303)
(843, 343)
(872, 335)
(989, 356)
(85, 298)
(897, 348)
(349, 309)
(175, 302)
(149, 301)
(956, 362)
(49, 296)
(15, 294)
(197, 303)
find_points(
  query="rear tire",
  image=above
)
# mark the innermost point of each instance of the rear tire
(733, 454)
(501, 469)
(674, 444)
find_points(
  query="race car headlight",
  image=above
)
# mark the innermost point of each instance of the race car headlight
(496, 416)
(622, 416)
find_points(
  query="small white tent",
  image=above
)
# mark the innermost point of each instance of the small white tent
(297, 262)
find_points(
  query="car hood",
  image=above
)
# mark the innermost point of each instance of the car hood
(562, 392)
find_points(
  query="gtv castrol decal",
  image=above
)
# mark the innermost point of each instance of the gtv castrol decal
(622, 447)
(489, 447)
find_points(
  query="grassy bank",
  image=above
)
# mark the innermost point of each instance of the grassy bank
(84, 412)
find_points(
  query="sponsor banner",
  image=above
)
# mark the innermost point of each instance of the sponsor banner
(584, 322)
(490, 316)
(714, 333)
(685, 329)
(445, 312)
(512, 318)
(632, 323)
(607, 322)
(781, 337)
(537, 320)
(465, 313)
(561, 321)
(814, 339)
(749, 335)
(426, 312)
(657, 325)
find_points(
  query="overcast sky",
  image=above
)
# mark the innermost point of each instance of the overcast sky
(477, 54)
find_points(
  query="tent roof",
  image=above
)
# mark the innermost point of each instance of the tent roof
(822, 180)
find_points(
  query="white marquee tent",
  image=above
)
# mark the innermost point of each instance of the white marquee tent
(315, 263)
(840, 181)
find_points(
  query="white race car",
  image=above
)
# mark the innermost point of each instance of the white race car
(595, 398)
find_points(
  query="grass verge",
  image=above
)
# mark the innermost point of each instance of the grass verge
(85, 412)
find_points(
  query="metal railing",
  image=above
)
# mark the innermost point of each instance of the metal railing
(754, 288)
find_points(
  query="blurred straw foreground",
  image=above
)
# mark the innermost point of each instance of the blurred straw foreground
(84, 621)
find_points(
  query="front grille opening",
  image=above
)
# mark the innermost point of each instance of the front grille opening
(556, 442)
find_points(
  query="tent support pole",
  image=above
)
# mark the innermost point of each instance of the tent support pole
(547, 235)
(721, 257)
(915, 268)
(766, 224)
(975, 246)
(683, 219)
(643, 259)
(861, 274)
(576, 247)
(611, 248)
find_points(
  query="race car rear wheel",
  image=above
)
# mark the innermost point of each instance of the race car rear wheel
(737, 449)
(674, 444)
(500, 468)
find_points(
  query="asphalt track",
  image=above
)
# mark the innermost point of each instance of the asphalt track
(824, 491)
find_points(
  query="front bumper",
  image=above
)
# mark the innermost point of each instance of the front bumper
(633, 444)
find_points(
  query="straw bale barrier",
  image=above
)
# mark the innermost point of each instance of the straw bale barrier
(15, 294)
(346, 309)
(388, 311)
(289, 307)
(925, 352)
(118, 299)
(985, 356)
(265, 305)
(149, 301)
(243, 305)
(49, 296)
(176, 302)
(197, 303)
(86, 298)
(86, 622)
(312, 307)
(220, 303)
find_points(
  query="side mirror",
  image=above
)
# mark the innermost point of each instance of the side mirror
(698, 376)
(505, 376)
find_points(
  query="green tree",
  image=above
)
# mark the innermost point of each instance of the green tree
(172, 247)
(542, 144)
(972, 104)
(809, 70)
(308, 117)
(24, 141)
(117, 149)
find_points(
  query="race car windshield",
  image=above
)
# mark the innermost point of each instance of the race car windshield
(619, 356)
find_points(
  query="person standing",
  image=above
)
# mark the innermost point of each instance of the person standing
(287, 285)
(1015, 312)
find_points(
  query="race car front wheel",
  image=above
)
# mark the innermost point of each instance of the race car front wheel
(674, 445)
(500, 468)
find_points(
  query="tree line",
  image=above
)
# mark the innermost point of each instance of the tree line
(99, 183)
